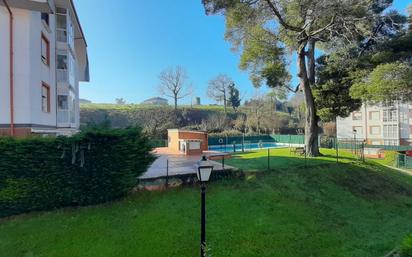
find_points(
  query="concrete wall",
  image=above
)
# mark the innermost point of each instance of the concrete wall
(196, 136)
(4, 67)
(173, 140)
(175, 136)
(29, 70)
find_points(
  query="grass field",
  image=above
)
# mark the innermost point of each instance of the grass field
(327, 209)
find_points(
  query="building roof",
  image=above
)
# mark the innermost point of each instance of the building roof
(35, 5)
(155, 99)
(188, 131)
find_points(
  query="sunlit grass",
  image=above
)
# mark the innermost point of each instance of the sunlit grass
(325, 209)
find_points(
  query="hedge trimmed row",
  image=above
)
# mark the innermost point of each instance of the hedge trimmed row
(92, 167)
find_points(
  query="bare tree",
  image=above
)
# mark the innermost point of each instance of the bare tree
(173, 84)
(218, 89)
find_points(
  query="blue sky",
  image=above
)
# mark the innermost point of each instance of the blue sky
(131, 41)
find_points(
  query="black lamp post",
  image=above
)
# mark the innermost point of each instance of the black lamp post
(354, 139)
(203, 174)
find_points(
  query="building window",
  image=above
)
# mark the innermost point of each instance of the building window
(390, 131)
(375, 130)
(359, 131)
(374, 115)
(62, 61)
(45, 50)
(390, 115)
(356, 116)
(45, 18)
(61, 24)
(63, 102)
(45, 98)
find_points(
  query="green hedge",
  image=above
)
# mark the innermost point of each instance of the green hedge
(92, 167)
(406, 247)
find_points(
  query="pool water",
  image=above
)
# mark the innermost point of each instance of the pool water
(247, 147)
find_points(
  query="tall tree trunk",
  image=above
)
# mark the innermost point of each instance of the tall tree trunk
(311, 61)
(175, 103)
(311, 126)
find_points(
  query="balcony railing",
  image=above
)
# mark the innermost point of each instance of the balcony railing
(63, 116)
(61, 36)
(66, 117)
(72, 117)
(62, 76)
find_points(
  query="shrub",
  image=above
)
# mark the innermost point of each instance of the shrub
(92, 167)
(406, 247)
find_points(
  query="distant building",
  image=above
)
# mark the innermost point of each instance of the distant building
(156, 101)
(187, 142)
(197, 101)
(383, 124)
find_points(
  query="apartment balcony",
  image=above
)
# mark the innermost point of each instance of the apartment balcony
(61, 36)
(63, 76)
(66, 119)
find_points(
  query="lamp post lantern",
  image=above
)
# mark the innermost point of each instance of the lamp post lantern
(204, 170)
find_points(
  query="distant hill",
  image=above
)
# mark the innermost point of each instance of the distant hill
(84, 101)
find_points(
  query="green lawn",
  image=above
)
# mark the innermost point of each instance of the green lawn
(328, 209)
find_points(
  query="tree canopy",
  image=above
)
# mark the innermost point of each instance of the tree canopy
(267, 30)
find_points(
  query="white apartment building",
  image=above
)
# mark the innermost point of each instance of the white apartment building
(43, 56)
(383, 124)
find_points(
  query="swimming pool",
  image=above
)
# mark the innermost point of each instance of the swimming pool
(247, 147)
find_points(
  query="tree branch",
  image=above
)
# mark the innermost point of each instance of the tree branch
(324, 28)
(280, 18)
(293, 90)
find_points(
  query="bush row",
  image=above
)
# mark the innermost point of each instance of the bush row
(89, 168)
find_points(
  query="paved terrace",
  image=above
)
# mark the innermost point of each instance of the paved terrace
(179, 164)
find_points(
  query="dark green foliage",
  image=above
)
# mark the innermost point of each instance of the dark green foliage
(332, 90)
(92, 167)
(406, 247)
(234, 99)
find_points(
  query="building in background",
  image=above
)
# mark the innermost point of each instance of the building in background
(383, 124)
(197, 101)
(43, 57)
(187, 142)
(156, 101)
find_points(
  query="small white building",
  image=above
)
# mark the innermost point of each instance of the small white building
(43, 57)
(383, 124)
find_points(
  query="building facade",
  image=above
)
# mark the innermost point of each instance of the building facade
(187, 142)
(382, 124)
(43, 58)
